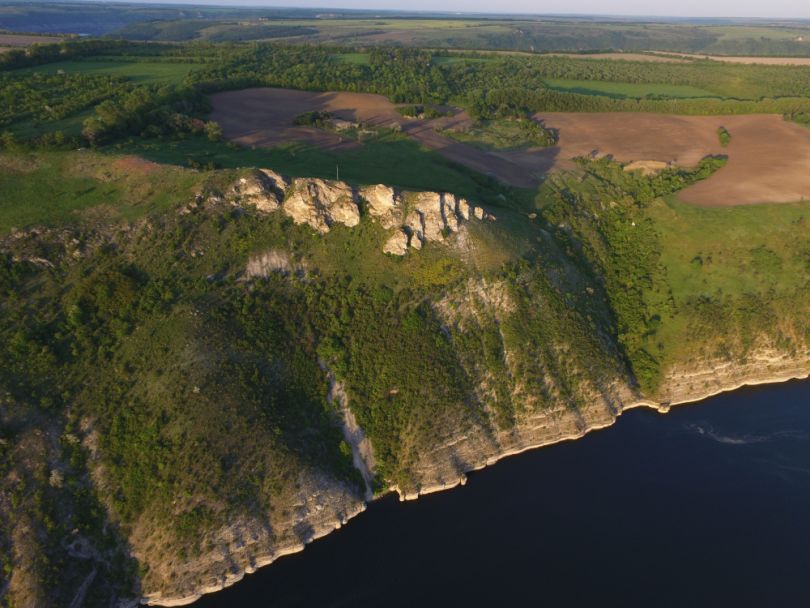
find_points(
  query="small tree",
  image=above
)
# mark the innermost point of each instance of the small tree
(213, 131)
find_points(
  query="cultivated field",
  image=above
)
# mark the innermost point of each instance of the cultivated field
(263, 117)
(655, 58)
(767, 157)
(743, 60)
(18, 41)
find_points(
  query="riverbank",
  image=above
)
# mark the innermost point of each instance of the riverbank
(475, 451)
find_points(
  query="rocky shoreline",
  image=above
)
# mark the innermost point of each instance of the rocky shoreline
(477, 450)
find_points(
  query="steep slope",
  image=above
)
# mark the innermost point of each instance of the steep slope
(202, 386)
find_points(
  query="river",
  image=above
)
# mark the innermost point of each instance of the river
(708, 505)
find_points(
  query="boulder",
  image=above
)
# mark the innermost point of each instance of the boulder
(397, 244)
(430, 206)
(263, 189)
(463, 208)
(384, 204)
(322, 203)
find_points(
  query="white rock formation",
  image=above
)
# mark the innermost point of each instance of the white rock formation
(322, 203)
(463, 208)
(269, 262)
(264, 189)
(430, 206)
(397, 244)
(416, 217)
(384, 204)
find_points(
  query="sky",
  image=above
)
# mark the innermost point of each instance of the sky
(774, 9)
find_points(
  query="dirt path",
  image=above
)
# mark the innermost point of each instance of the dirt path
(769, 159)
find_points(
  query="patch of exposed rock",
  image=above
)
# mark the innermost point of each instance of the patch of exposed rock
(397, 244)
(270, 262)
(415, 217)
(384, 204)
(321, 204)
(647, 167)
(432, 216)
(263, 189)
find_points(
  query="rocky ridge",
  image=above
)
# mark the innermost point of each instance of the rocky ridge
(415, 218)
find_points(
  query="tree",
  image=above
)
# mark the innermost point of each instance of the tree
(213, 130)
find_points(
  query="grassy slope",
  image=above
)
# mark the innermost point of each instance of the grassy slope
(722, 262)
(54, 188)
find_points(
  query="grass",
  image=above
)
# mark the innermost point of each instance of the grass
(724, 255)
(352, 58)
(444, 60)
(390, 158)
(70, 125)
(52, 189)
(710, 249)
(504, 134)
(627, 89)
(142, 72)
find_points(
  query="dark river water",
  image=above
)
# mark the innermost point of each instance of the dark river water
(708, 505)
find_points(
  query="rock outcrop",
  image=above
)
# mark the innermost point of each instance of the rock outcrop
(433, 216)
(415, 217)
(272, 262)
(263, 189)
(397, 244)
(384, 204)
(322, 203)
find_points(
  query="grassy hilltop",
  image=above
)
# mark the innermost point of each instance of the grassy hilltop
(157, 396)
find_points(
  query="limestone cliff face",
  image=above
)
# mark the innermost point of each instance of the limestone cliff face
(244, 546)
(248, 543)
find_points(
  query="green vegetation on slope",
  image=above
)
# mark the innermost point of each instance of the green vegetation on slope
(503, 134)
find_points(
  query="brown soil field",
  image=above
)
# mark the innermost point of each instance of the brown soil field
(622, 56)
(768, 158)
(22, 40)
(750, 60)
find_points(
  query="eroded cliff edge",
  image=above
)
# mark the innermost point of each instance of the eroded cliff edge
(244, 548)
